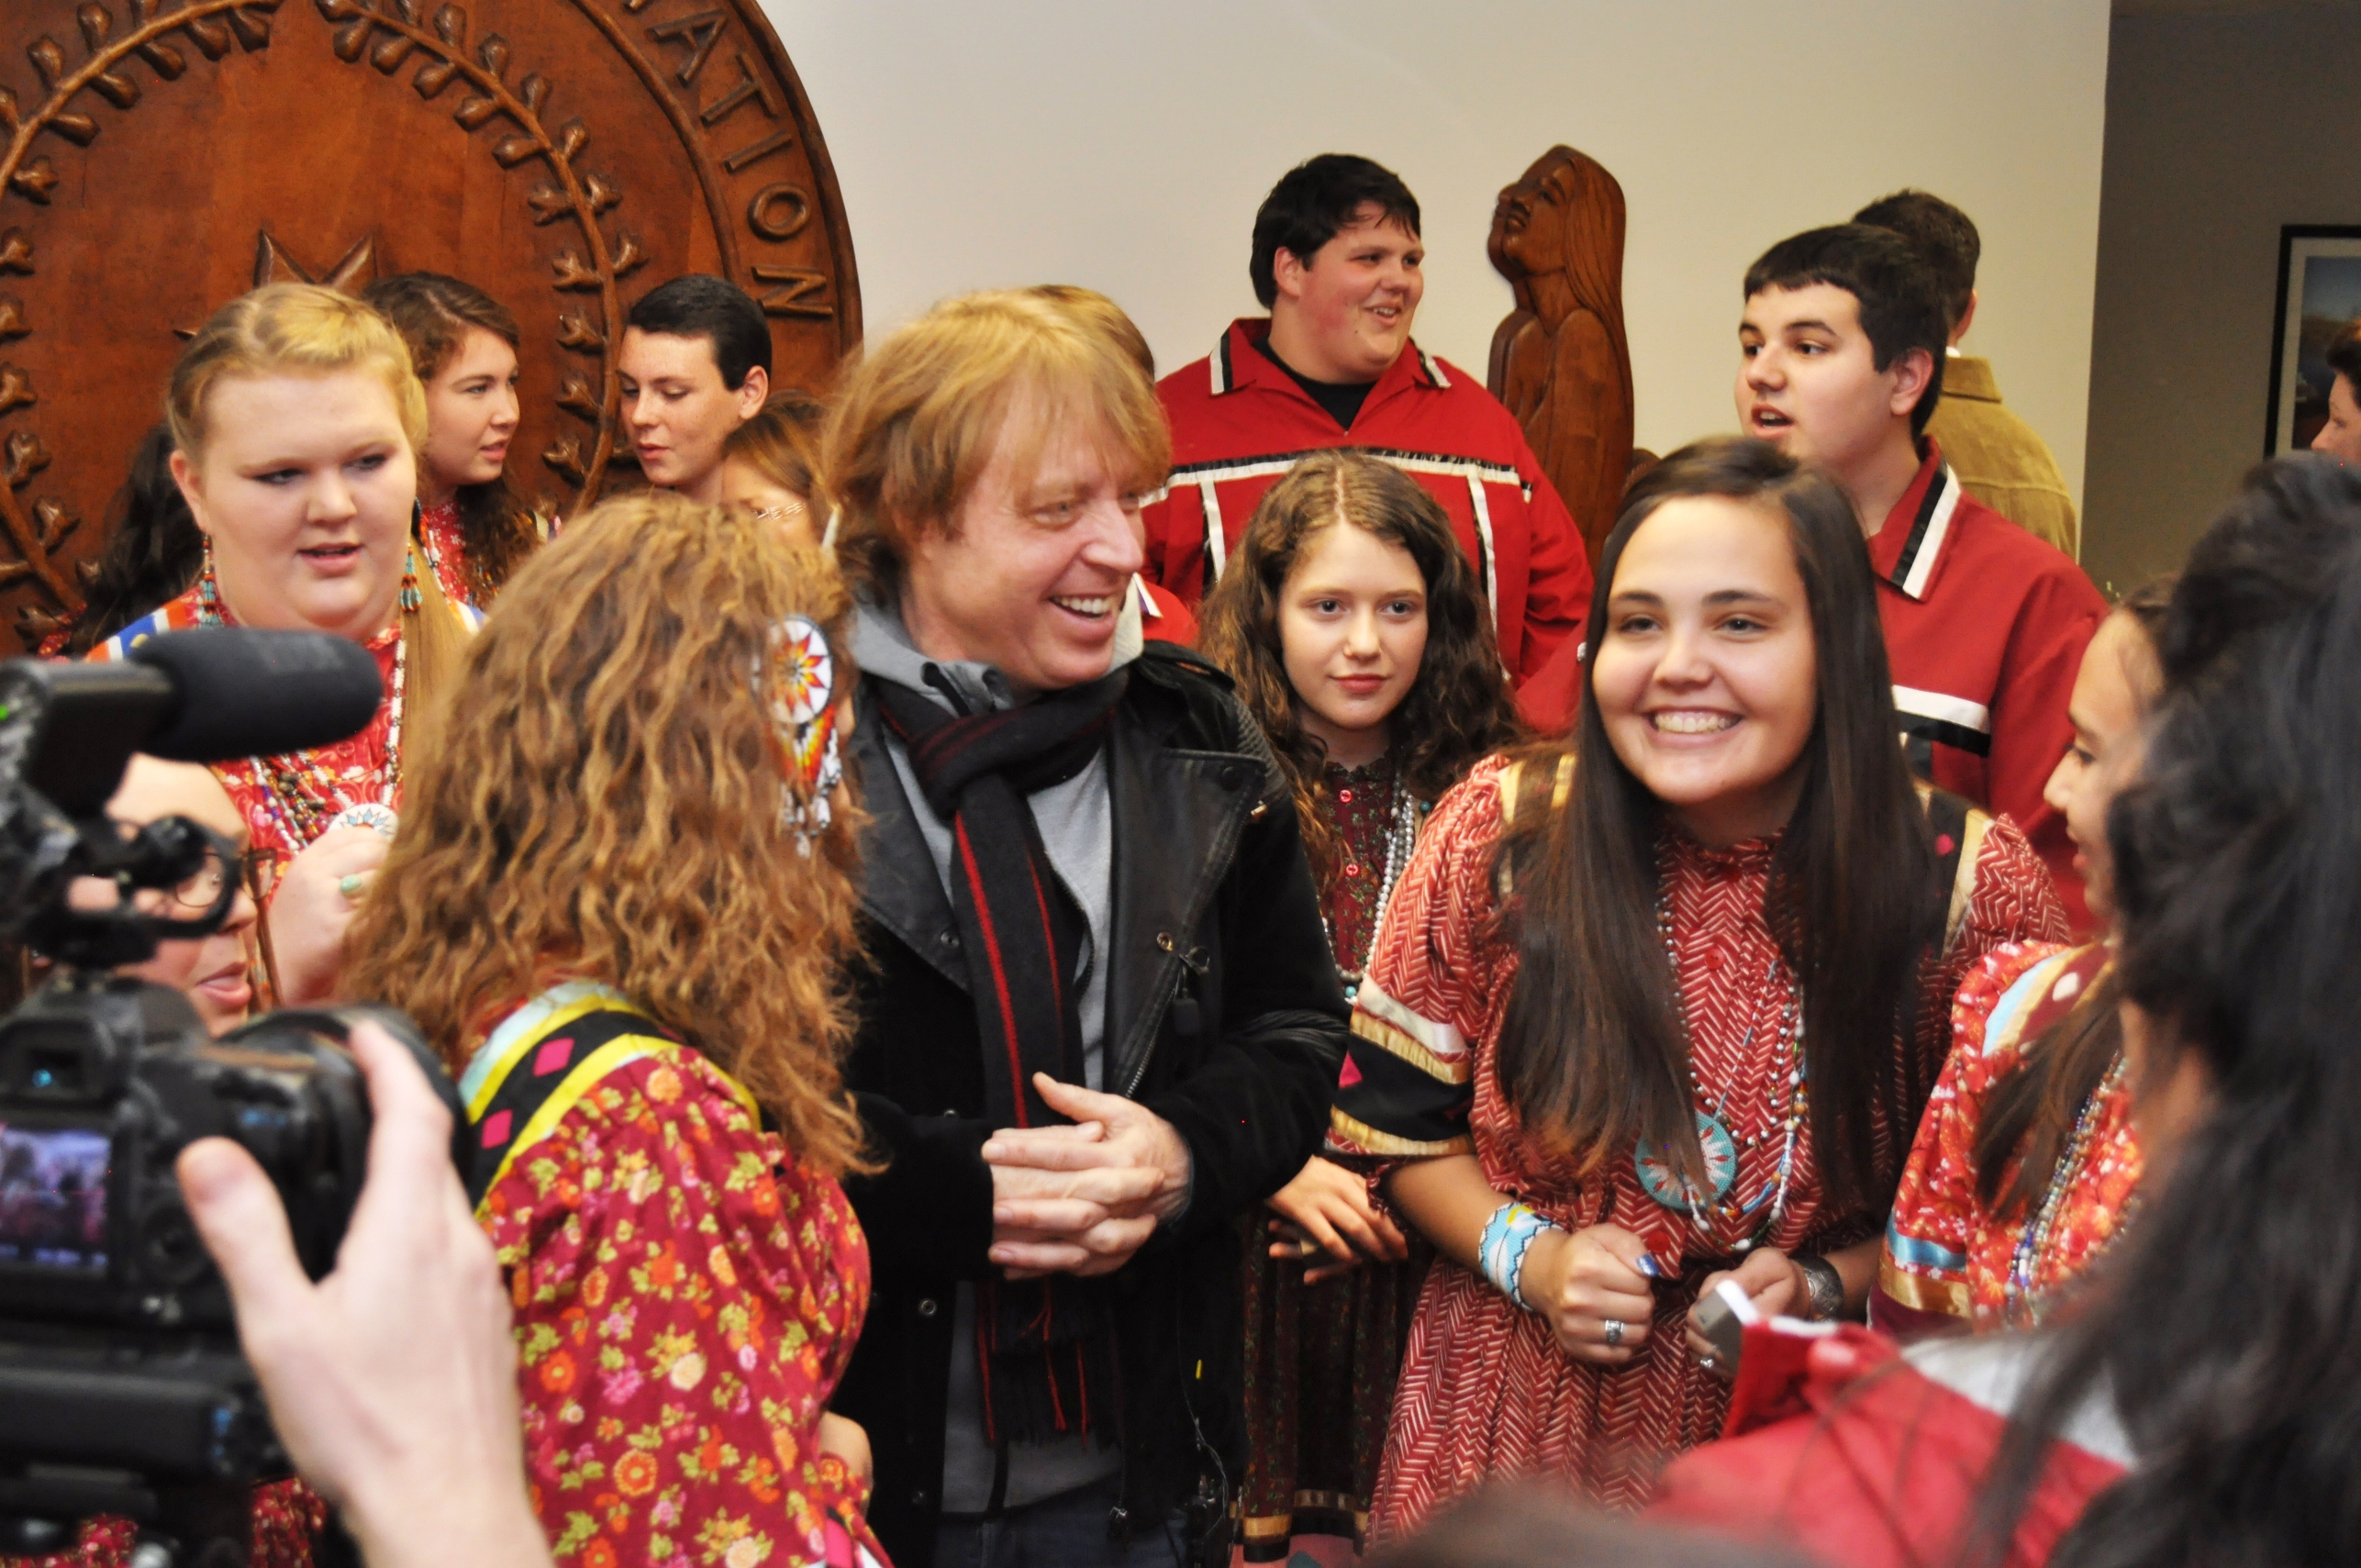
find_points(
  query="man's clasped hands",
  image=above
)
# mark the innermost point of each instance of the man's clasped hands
(1081, 1198)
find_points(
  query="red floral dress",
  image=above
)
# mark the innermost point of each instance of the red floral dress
(287, 1515)
(1947, 1256)
(446, 551)
(350, 771)
(1485, 1391)
(687, 1293)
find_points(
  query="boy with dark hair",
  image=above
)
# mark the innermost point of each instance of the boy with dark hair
(1996, 455)
(695, 364)
(1842, 361)
(2341, 437)
(1336, 257)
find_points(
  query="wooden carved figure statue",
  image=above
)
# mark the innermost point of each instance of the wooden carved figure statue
(1560, 361)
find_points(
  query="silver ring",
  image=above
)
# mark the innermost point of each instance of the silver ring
(1710, 1361)
(1614, 1326)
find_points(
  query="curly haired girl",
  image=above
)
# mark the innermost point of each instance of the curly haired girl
(1357, 633)
(619, 907)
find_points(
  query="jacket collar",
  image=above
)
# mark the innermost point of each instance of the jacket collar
(1908, 551)
(1238, 363)
(1177, 814)
(1969, 376)
(900, 888)
(882, 647)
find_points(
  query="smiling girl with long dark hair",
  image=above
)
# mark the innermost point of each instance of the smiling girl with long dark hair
(1663, 1008)
(2195, 1406)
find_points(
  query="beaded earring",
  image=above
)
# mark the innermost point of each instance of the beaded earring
(800, 693)
(410, 600)
(208, 591)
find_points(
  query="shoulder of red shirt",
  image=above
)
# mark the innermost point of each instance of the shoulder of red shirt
(1162, 617)
(1937, 528)
(1202, 400)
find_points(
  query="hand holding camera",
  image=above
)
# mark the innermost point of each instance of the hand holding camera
(394, 1379)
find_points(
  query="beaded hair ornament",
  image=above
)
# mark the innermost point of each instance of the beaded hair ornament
(801, 694)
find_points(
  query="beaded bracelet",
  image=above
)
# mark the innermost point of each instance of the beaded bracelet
(1501, 1250)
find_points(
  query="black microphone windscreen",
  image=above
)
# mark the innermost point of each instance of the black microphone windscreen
(246, 692)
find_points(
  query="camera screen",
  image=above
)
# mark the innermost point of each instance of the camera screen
(53, 1198)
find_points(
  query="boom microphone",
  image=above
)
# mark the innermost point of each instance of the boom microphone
(203, 696)
(256, 694)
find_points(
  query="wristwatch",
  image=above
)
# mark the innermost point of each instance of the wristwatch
(1826, 1285)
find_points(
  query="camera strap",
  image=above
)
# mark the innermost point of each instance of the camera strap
(524, 1081)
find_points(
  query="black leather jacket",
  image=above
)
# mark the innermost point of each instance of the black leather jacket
(1225, 1018)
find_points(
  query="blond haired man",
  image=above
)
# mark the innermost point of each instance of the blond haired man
(1100, 1022)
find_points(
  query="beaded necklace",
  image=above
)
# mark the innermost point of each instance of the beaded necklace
(2021, 1305)
(1722, 1151)
(297, 790)
(1401, 838)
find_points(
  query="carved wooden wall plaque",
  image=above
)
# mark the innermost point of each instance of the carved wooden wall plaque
(159, 157)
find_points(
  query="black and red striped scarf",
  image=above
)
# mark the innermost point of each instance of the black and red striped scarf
(1045, 1346)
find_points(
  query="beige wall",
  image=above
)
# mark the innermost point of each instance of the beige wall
(1124, 146)
(2220, 129)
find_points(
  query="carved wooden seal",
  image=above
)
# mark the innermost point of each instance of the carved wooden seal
(161, 157)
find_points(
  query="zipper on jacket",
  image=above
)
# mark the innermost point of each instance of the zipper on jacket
(1193, 962)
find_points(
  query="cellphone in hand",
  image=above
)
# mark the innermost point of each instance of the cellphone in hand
(1722, 1317)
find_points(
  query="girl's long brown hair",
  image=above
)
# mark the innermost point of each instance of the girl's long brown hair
(1592, 1056)
(1456, 712)
(434, 314)
(2031, 1110)
(606, 805)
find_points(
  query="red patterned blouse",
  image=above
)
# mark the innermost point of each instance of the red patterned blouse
(1947, 1257)
(446, 551)
(1485, 1390)
(351, 772)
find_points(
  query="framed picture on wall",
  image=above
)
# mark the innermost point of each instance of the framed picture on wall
(2320, 292)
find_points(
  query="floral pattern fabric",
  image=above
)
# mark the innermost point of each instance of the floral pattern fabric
(287, 1515)
(687, 1294)
(1945, 1251)
(1485, 1392)
(446, 551)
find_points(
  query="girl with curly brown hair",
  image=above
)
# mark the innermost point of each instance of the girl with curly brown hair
(619, 907)
(1358, 636)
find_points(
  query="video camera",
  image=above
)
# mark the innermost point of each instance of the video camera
(122, 1390)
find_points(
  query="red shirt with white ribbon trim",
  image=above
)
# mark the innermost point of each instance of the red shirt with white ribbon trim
(1985, 628)
(1239, 421)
